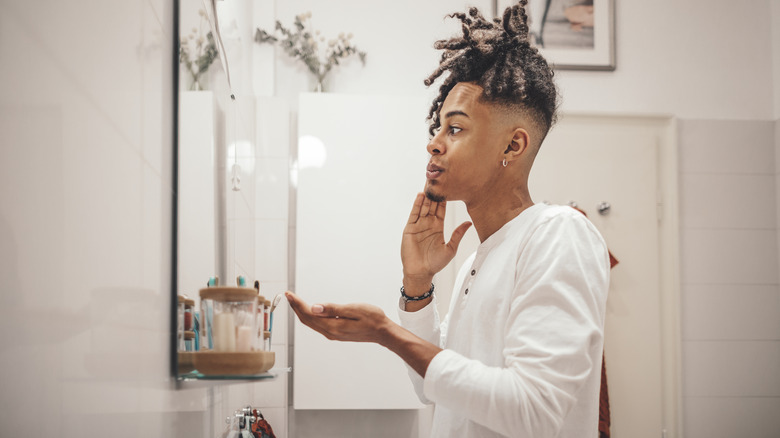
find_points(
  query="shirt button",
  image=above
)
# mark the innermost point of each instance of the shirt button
(473, 271)
(467, 291)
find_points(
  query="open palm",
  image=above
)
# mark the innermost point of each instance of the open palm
(423, 249)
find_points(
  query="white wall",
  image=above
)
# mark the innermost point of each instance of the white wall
(693, 59)
(85, 221)
(86, 135)
(729, 270)
(775, 5)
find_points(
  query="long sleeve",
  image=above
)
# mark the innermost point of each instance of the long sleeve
(552, 343)
(425, 324)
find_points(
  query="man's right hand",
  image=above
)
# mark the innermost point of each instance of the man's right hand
(423, 250)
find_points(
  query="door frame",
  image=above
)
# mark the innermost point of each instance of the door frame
(668, 260)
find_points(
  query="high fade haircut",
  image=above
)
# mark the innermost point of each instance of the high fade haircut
(497, 56)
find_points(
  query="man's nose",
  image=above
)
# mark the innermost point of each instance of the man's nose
(436, 146)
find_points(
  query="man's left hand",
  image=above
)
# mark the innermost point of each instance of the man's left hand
(343, 322)
(365, 323)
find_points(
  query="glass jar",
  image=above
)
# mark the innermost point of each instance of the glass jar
(231, 318)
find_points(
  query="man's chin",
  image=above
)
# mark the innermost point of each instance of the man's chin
(435, 197)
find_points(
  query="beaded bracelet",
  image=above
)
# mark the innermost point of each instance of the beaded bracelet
(407, 298)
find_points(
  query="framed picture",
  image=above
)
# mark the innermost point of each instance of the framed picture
(571, 34)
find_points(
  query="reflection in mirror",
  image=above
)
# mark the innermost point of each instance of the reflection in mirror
(216, 159)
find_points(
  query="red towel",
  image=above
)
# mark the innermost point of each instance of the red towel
(604, 416)
(604, 421)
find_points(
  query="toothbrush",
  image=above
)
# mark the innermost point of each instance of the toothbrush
(275, 303)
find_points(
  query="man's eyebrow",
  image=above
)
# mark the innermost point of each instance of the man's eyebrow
(456, 113)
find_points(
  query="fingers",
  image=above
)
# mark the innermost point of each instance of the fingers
(423, 207)
(415, 213)
(332, 311)
(306, 313)
(297, 304)
(441, 209)
(458, 234)
(426, 207)
(323, 326)
(431, 208)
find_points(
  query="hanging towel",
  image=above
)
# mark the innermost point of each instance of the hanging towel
(604, 421)
(604, 415)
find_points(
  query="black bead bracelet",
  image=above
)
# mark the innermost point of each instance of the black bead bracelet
(421, 297)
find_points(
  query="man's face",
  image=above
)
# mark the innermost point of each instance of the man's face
(467, 151)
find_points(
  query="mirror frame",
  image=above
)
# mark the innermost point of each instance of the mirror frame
(173, 314)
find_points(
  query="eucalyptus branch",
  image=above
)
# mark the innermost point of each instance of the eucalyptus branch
(301, 43)
(196, 52)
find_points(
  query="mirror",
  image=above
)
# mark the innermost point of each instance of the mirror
(216, 154)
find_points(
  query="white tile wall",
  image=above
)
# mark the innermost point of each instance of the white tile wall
(725, 255)
(727, 146)
(728, 417)
(718, 200)
(731, 368)
(273, 182)
(777, 159)
(85, 221)
(271, 250)
(731, 312)
(729, 271)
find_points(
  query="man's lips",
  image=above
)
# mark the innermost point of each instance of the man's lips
(433, 171)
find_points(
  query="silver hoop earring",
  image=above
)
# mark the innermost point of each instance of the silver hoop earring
(503, 163)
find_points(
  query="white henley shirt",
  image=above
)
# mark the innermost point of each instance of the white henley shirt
(523, 337)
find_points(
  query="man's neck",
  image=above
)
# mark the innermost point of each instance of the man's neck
(489, 215)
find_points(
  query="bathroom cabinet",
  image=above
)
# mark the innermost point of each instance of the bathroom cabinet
(356, 165)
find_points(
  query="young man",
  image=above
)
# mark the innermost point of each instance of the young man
(519, 353)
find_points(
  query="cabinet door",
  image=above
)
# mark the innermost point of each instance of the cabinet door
(361, 162)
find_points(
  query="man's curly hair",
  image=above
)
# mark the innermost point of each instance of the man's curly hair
(497, 56)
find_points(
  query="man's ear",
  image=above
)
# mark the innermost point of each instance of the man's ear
(519, 145)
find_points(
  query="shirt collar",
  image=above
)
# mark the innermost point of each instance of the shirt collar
(499, 236)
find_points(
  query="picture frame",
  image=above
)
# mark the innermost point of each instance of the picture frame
(571, 34)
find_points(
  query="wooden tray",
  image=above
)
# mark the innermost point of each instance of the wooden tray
(185, 359)
(212, 363)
